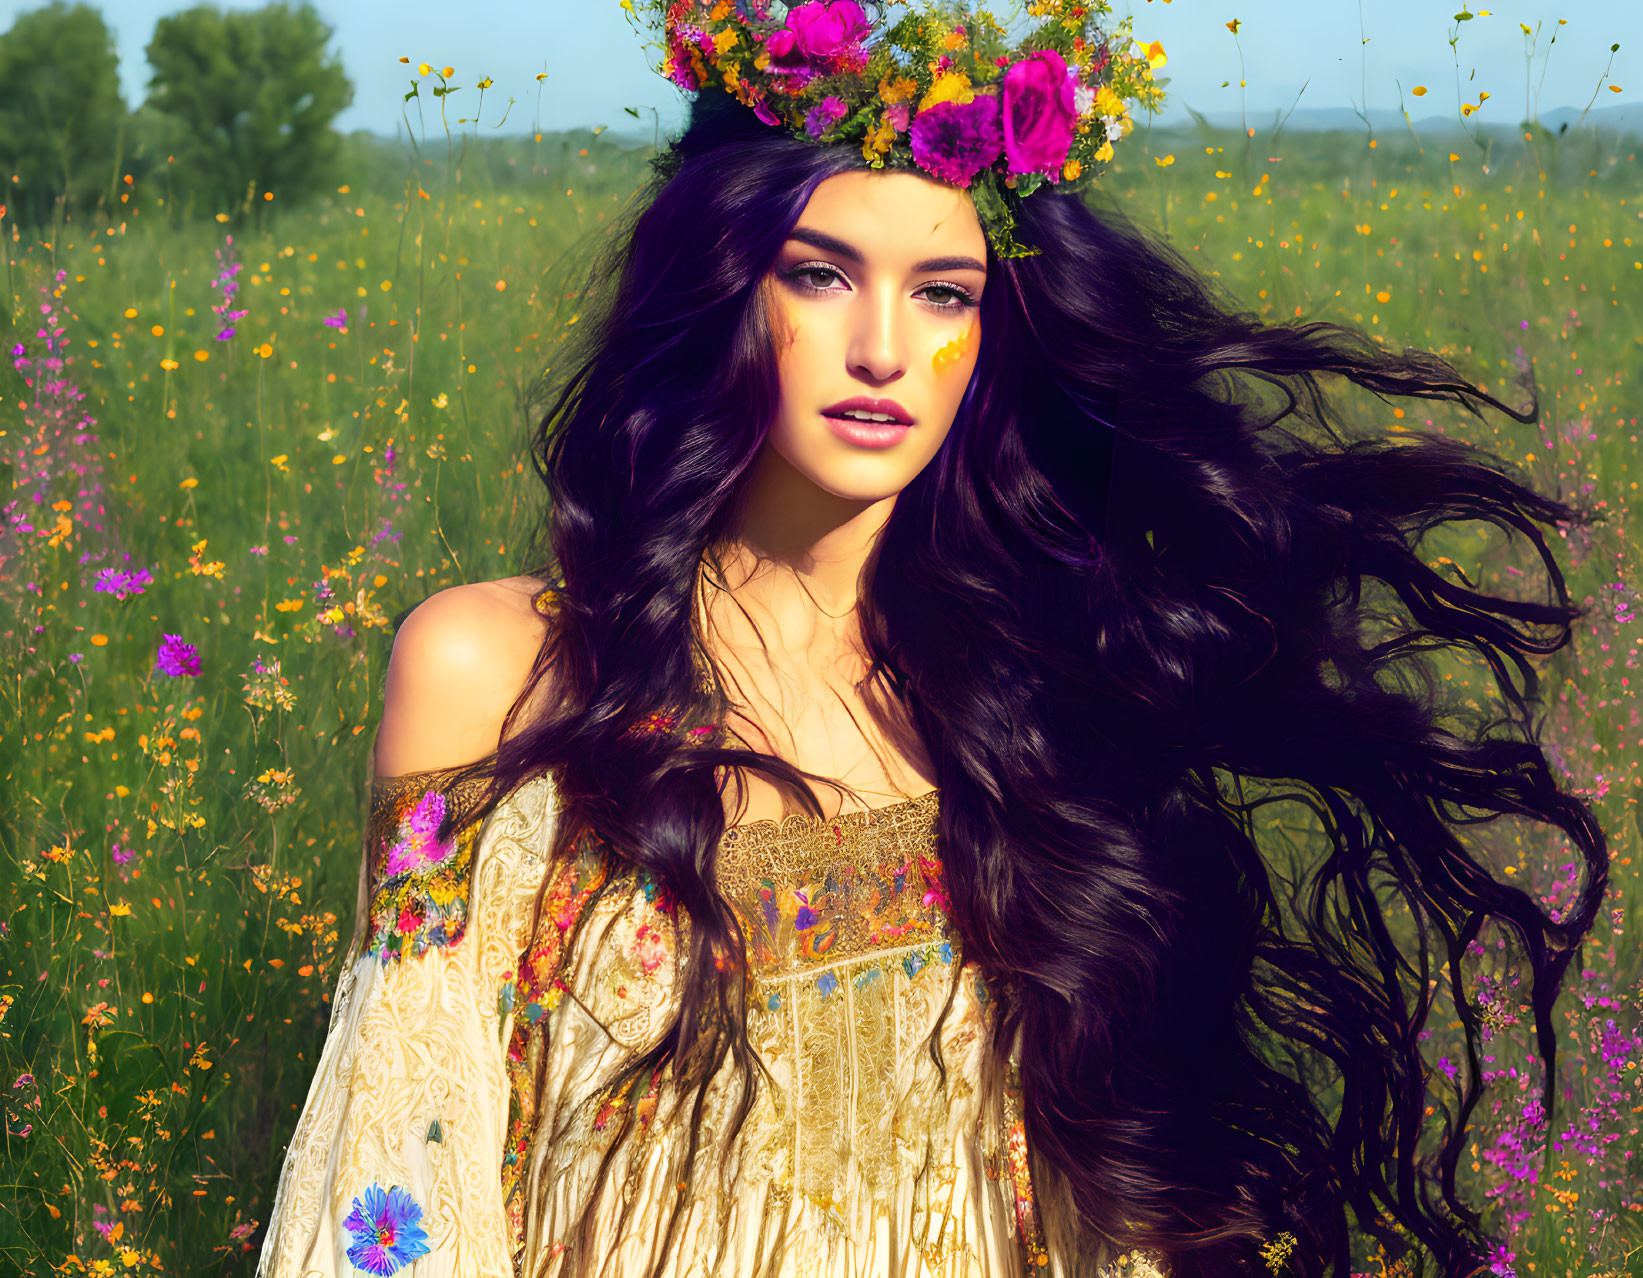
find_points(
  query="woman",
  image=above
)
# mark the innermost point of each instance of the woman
(849, 865)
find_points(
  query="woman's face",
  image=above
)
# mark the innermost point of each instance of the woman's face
(875, 303)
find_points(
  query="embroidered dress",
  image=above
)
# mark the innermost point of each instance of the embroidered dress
(423, 1151)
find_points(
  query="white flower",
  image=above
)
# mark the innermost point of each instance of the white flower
(1115, 126)
(1083, 98)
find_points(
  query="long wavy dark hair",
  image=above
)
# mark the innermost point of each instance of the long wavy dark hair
(1152, 582)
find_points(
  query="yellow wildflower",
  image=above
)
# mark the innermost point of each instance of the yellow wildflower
(724, 42)
(949, 86)
(1071, 169)
(1104, 154)
(1107, 102)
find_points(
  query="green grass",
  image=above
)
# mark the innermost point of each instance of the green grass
(170, 1006)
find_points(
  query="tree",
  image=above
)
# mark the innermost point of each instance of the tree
(60, 112)
(248, 98)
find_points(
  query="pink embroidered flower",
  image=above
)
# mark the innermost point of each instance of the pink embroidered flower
(428, 813)
(1039, 116)
(419, 844)
(408, 922)
(956, 140)
(648, 949)
(900, 116)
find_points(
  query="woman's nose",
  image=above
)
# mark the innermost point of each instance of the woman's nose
(878, 347)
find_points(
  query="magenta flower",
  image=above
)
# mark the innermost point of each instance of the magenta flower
(824, 115)
(419, 843)
(1039, 115)
(176, 658)
(386, 1229)
(821, 36)
(956, 140)
(339, 320)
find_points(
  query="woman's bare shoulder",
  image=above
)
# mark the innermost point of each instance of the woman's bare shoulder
(460, 661)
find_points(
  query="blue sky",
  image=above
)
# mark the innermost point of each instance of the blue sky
(596, 66)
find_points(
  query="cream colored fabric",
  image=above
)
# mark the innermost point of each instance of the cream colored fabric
(415, 1042)
(860, 1157)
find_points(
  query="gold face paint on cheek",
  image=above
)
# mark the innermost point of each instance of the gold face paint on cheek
(951, 352)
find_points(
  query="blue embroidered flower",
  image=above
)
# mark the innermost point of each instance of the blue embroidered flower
(827, 983)
(386, 1234)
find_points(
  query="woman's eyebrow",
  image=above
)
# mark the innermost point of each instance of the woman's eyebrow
(832, 244)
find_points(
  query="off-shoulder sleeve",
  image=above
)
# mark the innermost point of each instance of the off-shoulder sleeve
(395, 1164)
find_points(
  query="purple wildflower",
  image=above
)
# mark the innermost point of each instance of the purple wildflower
(176, 658)
(227, 269)
(122, 585)
(387, 1235)
(339, 320)
(122, 855)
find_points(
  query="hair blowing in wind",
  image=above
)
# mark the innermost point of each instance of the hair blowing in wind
(1153, 583)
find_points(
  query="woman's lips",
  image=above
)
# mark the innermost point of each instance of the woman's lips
(866, 434)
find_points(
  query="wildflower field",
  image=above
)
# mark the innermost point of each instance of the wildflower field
(238, 449)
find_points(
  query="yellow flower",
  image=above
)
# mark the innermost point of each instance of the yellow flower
(485, 83)
(724, 42)
(1071, 169)
(897, 90)
(954, 40)
(424, 69)
(1418, 91)
(120, 909)
(1104, 154)
(1155, 54)
(448, 72)
(877, 142)
(949, 86)
(1234, 25)
(1107, 102)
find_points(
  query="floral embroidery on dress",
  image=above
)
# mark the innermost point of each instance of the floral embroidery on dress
(387, 1232)
(419, 881)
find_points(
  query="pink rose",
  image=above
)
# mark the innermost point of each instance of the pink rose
(1039, 116)
(820, 35)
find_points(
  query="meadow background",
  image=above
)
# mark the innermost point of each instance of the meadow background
(241, 438)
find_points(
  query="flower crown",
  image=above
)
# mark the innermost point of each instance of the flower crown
(936, 90)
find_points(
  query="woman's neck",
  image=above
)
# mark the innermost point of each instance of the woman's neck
(799, 551)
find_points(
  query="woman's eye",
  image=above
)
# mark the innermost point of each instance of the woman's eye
(949, 296)
(815, 278)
